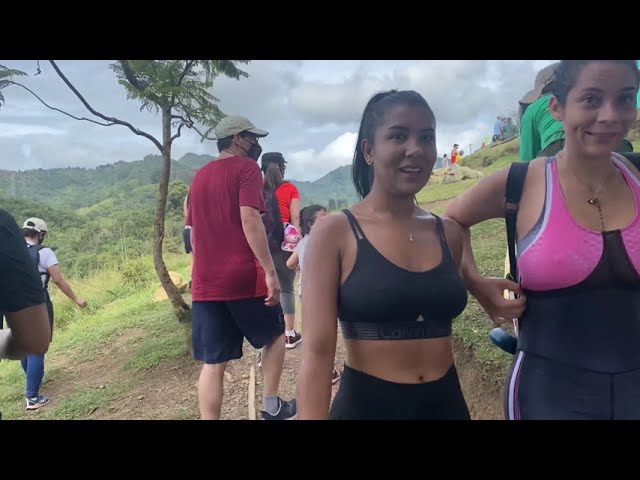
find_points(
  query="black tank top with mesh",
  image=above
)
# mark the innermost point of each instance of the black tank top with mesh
(382, 301)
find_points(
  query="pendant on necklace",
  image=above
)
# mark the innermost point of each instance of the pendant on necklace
(410, 238)
(592, 201)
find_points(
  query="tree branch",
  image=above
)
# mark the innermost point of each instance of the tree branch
(58, 110)
(184, 73)
(193, 124)
(178, 132)
(187, 68)
(130, 76)
(98, 114)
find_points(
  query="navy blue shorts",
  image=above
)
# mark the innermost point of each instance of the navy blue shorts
(219, 328)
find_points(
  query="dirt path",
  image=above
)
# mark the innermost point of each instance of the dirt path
(169, 390)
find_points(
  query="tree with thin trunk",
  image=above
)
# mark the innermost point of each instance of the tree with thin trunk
(180, 90)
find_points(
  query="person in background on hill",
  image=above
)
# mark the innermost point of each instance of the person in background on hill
(454, 153)
(498, 129)
(578, 255)
(22, 298)
(273, 168)
(510, 130)
(235, 287)
(35, 231)
(445, 161)
(389, 271)
(308, 217)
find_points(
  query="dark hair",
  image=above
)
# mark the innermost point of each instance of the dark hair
(273, 177)
(224, 143)
(270, 158)
(377, 107)
(308, 217)
(568, 71)
(29, 232)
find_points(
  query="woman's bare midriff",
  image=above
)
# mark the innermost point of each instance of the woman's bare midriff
(401, 361)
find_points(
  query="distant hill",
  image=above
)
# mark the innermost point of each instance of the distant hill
(74, 188)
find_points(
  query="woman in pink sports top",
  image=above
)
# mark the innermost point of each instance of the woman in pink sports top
(578, 248)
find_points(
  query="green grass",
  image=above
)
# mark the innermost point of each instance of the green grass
(84, 401)
(97, 332)
(489, 246)
(444, 191)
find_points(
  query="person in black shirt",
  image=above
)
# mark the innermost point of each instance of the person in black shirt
(22, 300)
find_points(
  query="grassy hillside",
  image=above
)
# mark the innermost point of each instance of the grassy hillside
(99, 354)
(126, 357)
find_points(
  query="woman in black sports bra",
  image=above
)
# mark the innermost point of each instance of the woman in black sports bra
(390, 272)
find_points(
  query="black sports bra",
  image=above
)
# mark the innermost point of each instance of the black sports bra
(381, 301)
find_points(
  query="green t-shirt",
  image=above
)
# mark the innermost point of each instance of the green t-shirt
(539, 129)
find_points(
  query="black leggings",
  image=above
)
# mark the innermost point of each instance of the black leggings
(365, 397)
(542, 389)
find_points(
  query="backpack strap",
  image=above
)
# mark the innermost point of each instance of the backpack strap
(633, 158)
(513, 193)
(36, 248)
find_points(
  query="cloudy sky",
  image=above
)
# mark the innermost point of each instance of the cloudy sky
(311, 108)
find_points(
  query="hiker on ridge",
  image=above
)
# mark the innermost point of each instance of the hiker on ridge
(35, 231)
(22, 300)
(235, 287)
(288, 197)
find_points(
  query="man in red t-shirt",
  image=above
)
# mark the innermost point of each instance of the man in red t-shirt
(234, 282)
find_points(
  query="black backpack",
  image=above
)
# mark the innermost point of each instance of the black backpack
(34, 251)
(272, 220)
(515, 184)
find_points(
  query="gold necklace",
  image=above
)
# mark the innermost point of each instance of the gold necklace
(592, 198)
(382, 219)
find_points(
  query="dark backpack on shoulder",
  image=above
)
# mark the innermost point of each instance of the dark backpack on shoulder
(272, 220)
(34, 251)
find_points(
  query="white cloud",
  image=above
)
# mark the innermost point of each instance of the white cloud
(310, 108)
(310, 165)
(13, 130)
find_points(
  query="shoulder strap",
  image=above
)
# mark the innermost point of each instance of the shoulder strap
(36, 248)
(355, 226)
(513, 193)
(633, 158)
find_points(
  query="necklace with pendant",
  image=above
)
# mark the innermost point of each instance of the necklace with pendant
(382, 219)
(592, 198)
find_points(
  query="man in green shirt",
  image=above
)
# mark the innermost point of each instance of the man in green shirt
(540, 133)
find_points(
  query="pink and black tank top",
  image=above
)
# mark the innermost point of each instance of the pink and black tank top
(582, 286)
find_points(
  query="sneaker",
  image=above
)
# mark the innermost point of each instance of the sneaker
(36, 402)
(292, 342)
(336, 376)
(504, 340)
(286, 411)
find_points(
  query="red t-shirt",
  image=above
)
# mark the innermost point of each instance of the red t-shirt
(285, 193)
(224, 266)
